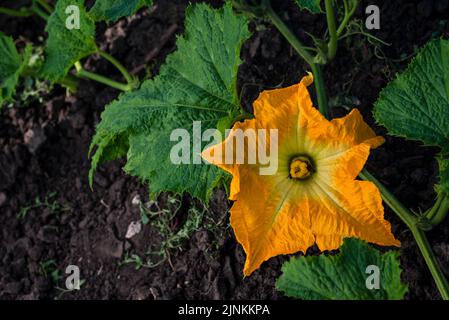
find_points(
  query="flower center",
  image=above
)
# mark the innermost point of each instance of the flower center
(301, 168)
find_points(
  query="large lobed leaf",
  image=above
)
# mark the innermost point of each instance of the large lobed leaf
(197, 83)
(112, 10)
(416, 104)
(67, 46)
(11, 66)
(343, 276)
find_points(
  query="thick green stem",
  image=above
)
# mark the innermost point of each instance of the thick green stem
(411, 221)
(332, 27)
(80, 72)
(320, 88)
(431, 262)
(128, 77)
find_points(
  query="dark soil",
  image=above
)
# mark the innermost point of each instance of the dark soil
(44, 149)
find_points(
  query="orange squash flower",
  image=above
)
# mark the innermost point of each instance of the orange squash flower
(313, 197)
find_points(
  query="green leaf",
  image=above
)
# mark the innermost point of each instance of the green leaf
(343, 276)
(112, 10)
(313, 6)
(11, 66)
(197, 83)
(66, 46)
(416, 104)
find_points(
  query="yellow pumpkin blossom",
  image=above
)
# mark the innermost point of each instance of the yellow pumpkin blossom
(313, 197)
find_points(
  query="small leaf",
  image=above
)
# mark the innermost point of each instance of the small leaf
(66, 46)
(197, 83)
(416, 104)
(11, 66)
(112, 10)
(313, 6)
(344, 275)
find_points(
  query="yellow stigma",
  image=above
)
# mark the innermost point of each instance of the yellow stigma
(301, 168)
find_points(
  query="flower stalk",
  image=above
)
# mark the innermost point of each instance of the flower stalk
(332, 27)
(132, 82)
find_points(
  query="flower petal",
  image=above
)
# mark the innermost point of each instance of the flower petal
(220, 155)
(354, 130)
(352, 209)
